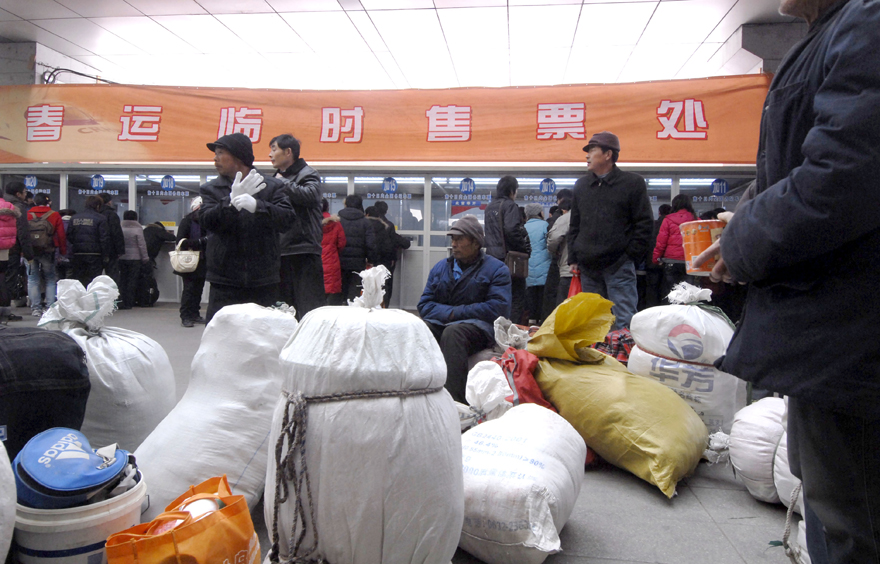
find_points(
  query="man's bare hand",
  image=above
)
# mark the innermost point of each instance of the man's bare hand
(719, 271)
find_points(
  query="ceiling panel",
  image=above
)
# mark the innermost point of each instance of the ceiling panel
(167, 7)
(26, 31)
(304, 5)
(656, 62)
(427, 70)
(101, 8)
(469, 3)
(488, 68)
(236, 6)
(7, 16)
(410, 31)
(37, 9)
(397, 4)
(207, 34)
(700, 63)
(589, 66)
(612, 24)
(538, 67)
(547, 27)
(747, 11)
(266, 33)
(146, 34)
(474, 29)
(90, 36)
(392, 69)
(367, 30)
(685, 21)
(327, 32)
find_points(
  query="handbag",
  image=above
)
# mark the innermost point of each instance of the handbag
(517, 263)
(182, 535)
(183, 261)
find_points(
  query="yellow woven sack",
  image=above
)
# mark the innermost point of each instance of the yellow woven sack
(632, 422)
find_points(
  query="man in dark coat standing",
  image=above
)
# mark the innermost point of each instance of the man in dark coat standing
(302, 273)
(506, 231)
(117, 239)
(807, 244)
(243, 212)
(611, 222)
(360, 245)
(89, 239)
(389, 255)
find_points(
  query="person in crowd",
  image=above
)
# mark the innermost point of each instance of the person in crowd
(89, 239)
(332, 243)
(9, 216)
(63, 268)
(133, 260)
(610, 226)
(15, 274)
(382, 245)
(117, 239)
(193, 239)
(359, 245)
(45, 225)
(463, 297)
(155, 236)
(29, 200)
(557, 246)
(505, 231)
(302, 275)
(669, 249)
(654, 272)
(243, 213)
(399, 244)
(806, 244)
(553, 272)
(539, 262)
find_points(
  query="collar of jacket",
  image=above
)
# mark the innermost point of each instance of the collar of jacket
(466, 267)
(293, 169)
(611, 178)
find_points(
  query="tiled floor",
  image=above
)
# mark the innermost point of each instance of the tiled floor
(618, 518)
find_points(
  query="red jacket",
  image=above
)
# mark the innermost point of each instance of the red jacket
(59, 238)
(669, 242)
(332, 242)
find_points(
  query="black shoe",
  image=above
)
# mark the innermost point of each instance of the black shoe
(186, 322)
(200, 320)
(13, 317)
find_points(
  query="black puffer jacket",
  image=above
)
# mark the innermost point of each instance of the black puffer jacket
(243, 246)
(155, 235)
(505, 228)
(87, 234)
(114, 228)
(360, 240)
(304, 191)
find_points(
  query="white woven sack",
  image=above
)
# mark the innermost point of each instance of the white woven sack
(8, 497)
(522, 476)
(488, 389)
(384, 473)
(754, 437)
(221, 425)
(715, 395)
(133, 385)
(783, 479)
(683, 332)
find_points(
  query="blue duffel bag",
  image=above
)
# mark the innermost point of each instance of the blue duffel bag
(58, 468)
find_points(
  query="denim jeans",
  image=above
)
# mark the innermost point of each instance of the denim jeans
(618, 284)
(42, 268)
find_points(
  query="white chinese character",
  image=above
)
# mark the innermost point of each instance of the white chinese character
(449, 123)
(244, 120)
(555, 121)
(693, 118)
(44, 122)
(142, 126)
(336, 121)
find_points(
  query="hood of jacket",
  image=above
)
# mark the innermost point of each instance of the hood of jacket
(351, 214)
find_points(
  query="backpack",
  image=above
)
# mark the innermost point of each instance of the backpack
(42, 233)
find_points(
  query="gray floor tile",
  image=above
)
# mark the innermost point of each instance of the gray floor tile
(753, 542)
(717, 476)
(728, 507)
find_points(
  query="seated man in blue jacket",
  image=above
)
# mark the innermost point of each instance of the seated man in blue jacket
(464, 296)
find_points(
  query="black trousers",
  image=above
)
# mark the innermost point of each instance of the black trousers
(518, 300)
(112, 269)
(16, 281)
(191, 296)
(535, 303)
(837, 456)
(129, 276)
(457, 343)
(653, 283)
(673, 274)
(389, 285)
(4, 293)
(222, 295)
(351, 285)
(87, 267)
(550, 286)
(302, 283)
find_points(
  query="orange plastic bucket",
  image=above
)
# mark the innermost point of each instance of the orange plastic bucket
(696, 237)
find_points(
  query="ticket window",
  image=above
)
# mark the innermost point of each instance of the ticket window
(404, 196)
(39, 184)
(711, 194)
(81, 185)
(334, 189)
(659, 193)
(165, 197)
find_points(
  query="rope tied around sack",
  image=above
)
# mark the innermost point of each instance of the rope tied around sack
(793, 553)
(292, 467)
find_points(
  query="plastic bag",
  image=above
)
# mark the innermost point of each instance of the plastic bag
(572, 327)
(508, 334)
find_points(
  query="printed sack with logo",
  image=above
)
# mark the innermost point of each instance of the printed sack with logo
(187, 532)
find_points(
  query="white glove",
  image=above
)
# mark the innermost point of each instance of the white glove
(245, 202)
(251, 184)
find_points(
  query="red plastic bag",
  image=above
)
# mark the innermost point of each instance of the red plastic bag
(575, 288)
(519, 368)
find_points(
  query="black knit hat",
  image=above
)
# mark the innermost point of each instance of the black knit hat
(238, 144)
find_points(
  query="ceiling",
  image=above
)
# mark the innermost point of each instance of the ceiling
(386, 44)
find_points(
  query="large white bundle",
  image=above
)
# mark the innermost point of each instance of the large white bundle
(133, 386)
(715, 395)
(221, 425)
(8, 497)
(384, 474)
(783, 479)
(754, 437)
(522, 476)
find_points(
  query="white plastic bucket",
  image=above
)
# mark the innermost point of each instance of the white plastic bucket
(75, 535)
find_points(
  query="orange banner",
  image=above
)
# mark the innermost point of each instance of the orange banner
(712, 120)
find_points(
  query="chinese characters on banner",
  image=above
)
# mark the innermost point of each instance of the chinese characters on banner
(449, 123)
(143, 125)
(44, 122)
(336, 121)
(243, 120)
(691, 111)
(555, 121)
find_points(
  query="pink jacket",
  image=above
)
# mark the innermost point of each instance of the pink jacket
(9, 215)
(669, 242)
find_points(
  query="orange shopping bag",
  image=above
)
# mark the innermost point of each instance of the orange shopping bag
(575, 288)
(224, 535)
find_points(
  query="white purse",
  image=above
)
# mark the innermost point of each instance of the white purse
(183, 261)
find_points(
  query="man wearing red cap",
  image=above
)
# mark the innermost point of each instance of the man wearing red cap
(243, 212)
(611, 223)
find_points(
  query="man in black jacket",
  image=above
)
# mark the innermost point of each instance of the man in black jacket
(389, 256)
(117, 239)
(807, 244)
(506, 231)
(611, 222)
(360, 245)
(302, 273)
(243, 212)
(89, 240)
